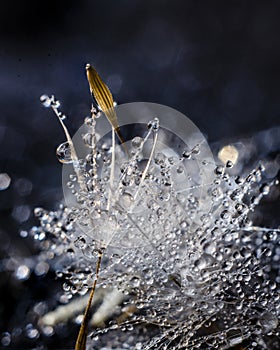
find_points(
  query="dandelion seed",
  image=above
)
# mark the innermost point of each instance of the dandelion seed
(167, 227)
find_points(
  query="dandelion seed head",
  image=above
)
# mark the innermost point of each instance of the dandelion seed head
(182, 251)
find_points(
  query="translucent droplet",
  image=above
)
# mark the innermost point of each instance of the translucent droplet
(135, 282)
(229, 164)
(226, 215)
(196, 150)
(219, 170)
(79, 319)
(32, 333)
(126, 200)
(160, 159)
(22, 272)
(180, 169)
(265, 189)
(23, 234)
(187, 154)
(137, 142)
(89, 121)
(6, 339)
(154, 124)
(5, 181)
(63, 153)
(210, 248)
(48, 331)
(21, 213)
(46, 101)
(235, 340)
(89, 140)
(268, 321)
(55, 103)
(41, 268)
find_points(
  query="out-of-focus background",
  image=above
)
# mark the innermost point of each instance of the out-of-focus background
(218, 62)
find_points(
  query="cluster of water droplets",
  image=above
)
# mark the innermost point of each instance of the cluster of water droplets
(210, 284)
(194, 270)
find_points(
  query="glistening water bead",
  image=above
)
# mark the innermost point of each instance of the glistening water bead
(63, 153)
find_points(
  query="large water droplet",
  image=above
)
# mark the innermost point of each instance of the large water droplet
(46, 101)
(63, 153)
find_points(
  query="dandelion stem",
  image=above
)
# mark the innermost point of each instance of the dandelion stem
(147, 166)
(82, 336)
(112, 169)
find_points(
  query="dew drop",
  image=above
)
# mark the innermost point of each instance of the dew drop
(48, 331)
(137, 142)
(46, 101)
(6, 339)
(265, 189)
(89, 140)
(89, 121)
(229, 164)
(268, 321)
(219, 170)
(22, 272)
(5, 181)
(41, 268)
(210, 248)
(32, 333)
(63, 153)
(154, 124)
(235, 340)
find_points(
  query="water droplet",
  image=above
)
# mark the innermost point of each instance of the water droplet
(46, 101)
(55, 103)
(89, 140)
(196, 150)
(265, 189)
(89, 121)
(187, 154)
(154, 124)
(135, 282)
(63, 153)
(23, 234)
(235, 340)
(180, 169)
(80, 243)
(22, 272)
(210, 248)
(48, 331)
(31, 332)
(225, 215)
(5, 181)
(268, 321)
(41, 268)
(21, 213)
(6, 339)
(137, 142)
(229, 164)
(219, 170)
